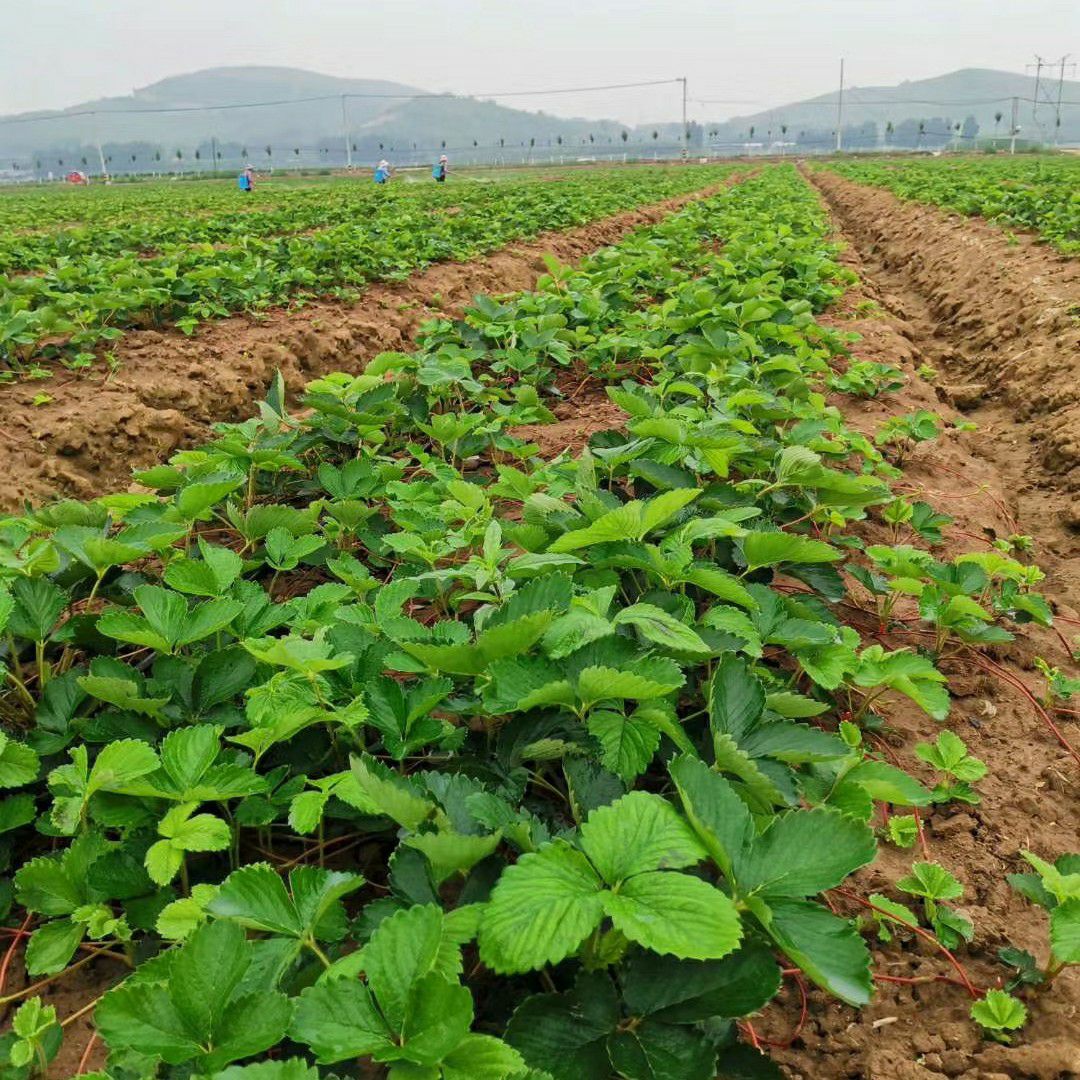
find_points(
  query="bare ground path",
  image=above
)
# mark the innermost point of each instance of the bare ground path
(921, 301)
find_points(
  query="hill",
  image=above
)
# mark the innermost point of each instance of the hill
(299, 119)
(980, 93)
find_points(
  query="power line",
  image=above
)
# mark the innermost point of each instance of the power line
(162, 109)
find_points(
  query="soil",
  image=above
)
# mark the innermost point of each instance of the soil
(169, 388)
(994, 482)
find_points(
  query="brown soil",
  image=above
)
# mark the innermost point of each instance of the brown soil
(999, 315)
(921, 1031)
(170, 388)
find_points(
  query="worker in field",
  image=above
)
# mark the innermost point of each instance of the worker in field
(246, 180)
(440, 170)
(382, 172)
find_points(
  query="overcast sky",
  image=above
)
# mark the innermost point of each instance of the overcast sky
(755, 54)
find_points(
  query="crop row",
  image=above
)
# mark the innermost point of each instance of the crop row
(369, 734)
(212, 214)
(1040, 194)
(87, 291)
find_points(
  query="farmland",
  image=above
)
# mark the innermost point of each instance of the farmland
(145, 258)
(646, 672)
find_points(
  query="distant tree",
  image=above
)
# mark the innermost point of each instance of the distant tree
(970, 128)
(997, 120)
(475, 143)
(889, 129)
(443, 144)
(558, 139)
(198, 155)
(591, 138)
(655, 135)
(502, 142)
(532, 143)
(179, 155)
(783, 129)
(84, 161)
(624, 135)
(133, 158)
(922, 132)
(157, 155)
(296, 151)
(751, 131)
(243, 152)
(60, 162)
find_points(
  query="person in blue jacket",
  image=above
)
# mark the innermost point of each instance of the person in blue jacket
(439, 171)
(382, 172)
(246, 180)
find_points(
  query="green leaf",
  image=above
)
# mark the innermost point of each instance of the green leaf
(657, 626)
(19, 764)
(675, 913)
(143, 1016)
(52, 946)
(38, 604)
(628, 742)
(601, 683)
(482, 1057)
(688, 991)
(339, 1020)
(540, 910)
(828, 949)
(736, 698)
(773, 548)
(909, 674)
(452, 853)
(636, 833)
(390, 794)
(999, 1011)
(290, 1069)
(718, 816)
(1065, 932)
(886, 783)
(436, 1021)
(402, 951)
(657, 1051)
(932, 881)
(256, 897)
(566, 1034)
(206, 972)
(803, 852)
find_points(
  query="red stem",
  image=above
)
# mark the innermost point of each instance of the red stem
(924, 934)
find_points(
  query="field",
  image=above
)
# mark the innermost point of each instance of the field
(629, 634)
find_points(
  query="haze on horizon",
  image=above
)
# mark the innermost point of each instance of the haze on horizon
(739, 58)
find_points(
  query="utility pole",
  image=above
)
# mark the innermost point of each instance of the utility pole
(685, 133)
(840, 111)
(1014, 127)
(1061, 83)
(100, 150)
(213, 154)
(345, 135)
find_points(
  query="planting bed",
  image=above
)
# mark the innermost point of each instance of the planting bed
(614, 632)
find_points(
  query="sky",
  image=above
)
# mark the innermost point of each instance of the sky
(738, 57)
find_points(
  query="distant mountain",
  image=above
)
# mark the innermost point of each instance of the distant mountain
(981, 93)
(279, 116)
(275, 116)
